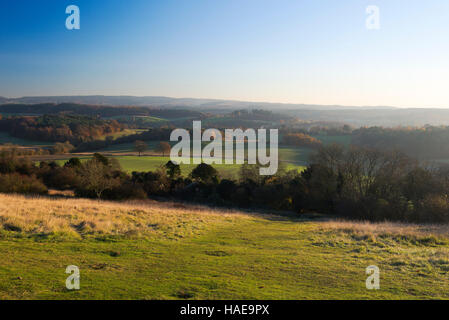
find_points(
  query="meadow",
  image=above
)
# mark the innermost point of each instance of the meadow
(153, 163)
(151, 250)
(292, 158)
(6, 138)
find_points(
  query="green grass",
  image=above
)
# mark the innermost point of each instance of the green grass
(143, 119)
(150, 163)
(124, 133)
(325, 139)
(127, 147)
(254, 257)
(5, 137)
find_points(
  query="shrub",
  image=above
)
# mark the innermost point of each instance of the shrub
(301, 140)
(205, 173)
(16, 183)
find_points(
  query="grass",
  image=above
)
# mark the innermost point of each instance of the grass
(143, 119)
(152, 163)
(5, 137)
(123, 133)
(149, 250)
(325, 139)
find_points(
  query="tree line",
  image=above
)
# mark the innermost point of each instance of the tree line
(102, 111)
(356, 183)
(428, 142)
(60, 128)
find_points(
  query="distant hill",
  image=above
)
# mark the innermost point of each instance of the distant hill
(166, 107)
(149, 101)
(96, 110)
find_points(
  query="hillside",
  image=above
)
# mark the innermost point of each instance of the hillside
(166, 107)
(151, 250)
(168, 101)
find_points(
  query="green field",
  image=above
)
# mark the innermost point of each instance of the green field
(148, 119)
(325, 139)
(152, 163)
(123, 133)
(293, 158)
(5, 137)
(168, 253)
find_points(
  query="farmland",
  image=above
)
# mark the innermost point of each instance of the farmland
(6, 138)
(152, 163)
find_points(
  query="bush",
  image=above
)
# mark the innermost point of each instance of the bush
(301, 140)
(205, 173)
(125, 191)
(434, 208)
(16, 183)
(64, 178)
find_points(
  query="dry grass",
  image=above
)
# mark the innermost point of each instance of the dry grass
(83, 217)
(43, 215)
(387, 228)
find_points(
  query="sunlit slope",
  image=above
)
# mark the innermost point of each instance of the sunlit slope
(148, 250)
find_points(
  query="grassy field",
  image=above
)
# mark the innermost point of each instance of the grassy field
(149, 250)
(123, 133)
(5, 137)
(152, 163)
(325, 139)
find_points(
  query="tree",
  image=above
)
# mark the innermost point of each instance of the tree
(301, 140)
(163, 147)
(173, 170)
(140, 146)
(94, 177)
(73, 163)
(60, 148)
(205, 173)
(101, 158)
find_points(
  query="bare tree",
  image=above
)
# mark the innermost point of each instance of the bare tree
(140, 146)
(163, 147)
(94, 177)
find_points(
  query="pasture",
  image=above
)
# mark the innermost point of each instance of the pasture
(152, 163)
(150, 250)
(6, 138)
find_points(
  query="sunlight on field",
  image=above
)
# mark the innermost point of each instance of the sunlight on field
(152, 163)
(6, 138)
(150, 250)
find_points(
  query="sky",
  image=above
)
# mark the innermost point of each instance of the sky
(289, 51)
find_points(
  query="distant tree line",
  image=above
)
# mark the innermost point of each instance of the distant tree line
(427, 142)
(59, 128)
(258, 114)
(300, 140)
(96, 110)
(357, 183)
(152, 134)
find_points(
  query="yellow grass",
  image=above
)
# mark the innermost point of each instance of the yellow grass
(387, 228)
(35, 215)
(82, 217)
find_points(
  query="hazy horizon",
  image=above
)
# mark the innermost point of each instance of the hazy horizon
(295, 52)
(225, 100)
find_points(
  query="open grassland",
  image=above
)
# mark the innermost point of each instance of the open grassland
(150, 250)
(327, 139)
(6, 138)
(123, 133)
(153, 163)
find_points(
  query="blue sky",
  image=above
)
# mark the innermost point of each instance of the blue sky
(298, 51)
